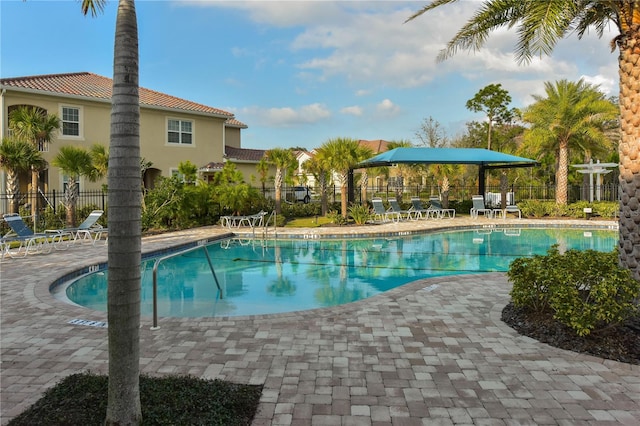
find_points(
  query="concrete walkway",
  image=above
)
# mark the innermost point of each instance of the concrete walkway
(433, 352)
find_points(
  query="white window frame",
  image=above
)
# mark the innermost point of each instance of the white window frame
(80, 135)
(181, 132)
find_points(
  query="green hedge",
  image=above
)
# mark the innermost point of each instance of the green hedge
(585, 290)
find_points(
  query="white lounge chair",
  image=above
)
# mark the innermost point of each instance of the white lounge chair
(404, 214)
(479, 207)
(436, 206)
(380, 214)
(419, 211)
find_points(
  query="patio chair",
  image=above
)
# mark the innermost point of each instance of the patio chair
(419, 211)
(29, 241)
(479, 207)
(89, 229)
(404, 214)
(436, 206)
(252, 220)
(509, 209)
(381, 214)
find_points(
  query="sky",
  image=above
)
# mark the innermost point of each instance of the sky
(301, 73)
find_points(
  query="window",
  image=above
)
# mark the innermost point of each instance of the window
(180, 131)
(70, 121)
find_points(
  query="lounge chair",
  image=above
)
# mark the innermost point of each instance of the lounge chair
(404, 214)
(89, 229)
(479, 207)
(253, 220)
(381, 214)
(29, 241)
(419, 211)
(436, 206)
(509, 209)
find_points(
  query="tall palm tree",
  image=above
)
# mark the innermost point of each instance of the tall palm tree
(34, 125)
(341, 154)
(540, 25)
(18, 156)
(124, 220)
(571, 114)
(285, 162)
(402, 170)
(74, 162)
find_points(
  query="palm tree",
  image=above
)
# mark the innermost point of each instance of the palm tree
(341, 154)
(571, 114)
(285, 162)
(540, 25)
(319, 168)
(124, 220)
(34, 125)
(17, 156)
(363, 153)
(74, 162)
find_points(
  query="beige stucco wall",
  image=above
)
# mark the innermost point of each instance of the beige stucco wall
(207, 146)
(232, 137)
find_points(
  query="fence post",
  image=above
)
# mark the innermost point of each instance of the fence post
(53, 193)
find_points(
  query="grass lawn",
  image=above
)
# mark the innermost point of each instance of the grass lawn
(307, 222)
(81, 399)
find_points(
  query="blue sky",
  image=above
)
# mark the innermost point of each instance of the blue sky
(299, 73)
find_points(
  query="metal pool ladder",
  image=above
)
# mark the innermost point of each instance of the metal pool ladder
(202, 244)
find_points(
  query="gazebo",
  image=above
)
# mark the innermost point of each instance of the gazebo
(484, 158)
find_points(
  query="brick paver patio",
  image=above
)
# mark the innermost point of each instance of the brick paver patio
(433, 352)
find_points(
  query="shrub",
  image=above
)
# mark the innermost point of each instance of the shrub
(585, 290)
(360, 213)
(336, 217)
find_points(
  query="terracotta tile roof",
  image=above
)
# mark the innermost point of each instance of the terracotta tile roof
(232, 122)
(212, 167)
(377, 146)
(243, 154)
(88, 85)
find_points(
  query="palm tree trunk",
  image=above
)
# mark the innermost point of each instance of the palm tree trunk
(34, 197)
(13, 188)
(278, 188)
(562, 173)
(124, 222)
(629, 150)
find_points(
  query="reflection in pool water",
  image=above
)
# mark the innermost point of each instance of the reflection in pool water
(275, 276)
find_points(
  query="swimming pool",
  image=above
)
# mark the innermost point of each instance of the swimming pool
(285, 275)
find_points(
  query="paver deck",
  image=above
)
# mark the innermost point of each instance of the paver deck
(432, 352)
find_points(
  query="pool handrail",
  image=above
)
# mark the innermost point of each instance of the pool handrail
(202, 244)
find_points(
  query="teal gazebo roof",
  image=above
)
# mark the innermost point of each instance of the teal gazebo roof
(416, 155)
(484, 158)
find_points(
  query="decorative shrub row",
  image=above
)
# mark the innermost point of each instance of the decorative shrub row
(585, 290)
(536, 208)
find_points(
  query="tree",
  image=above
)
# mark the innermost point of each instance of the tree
(320, 169)
(263, 171)
(540, 25)
(571, 115)
(432, 134)
(18, 156)
(363, 153)
(74, 162)
(285, 162)
(124, 220)
(341, 154)
(493, 100)
(34, 125)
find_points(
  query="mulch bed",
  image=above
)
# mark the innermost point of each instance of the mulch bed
(618, 343)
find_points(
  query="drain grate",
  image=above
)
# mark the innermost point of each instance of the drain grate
(89, 323)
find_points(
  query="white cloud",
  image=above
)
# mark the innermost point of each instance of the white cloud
(387, 107)
(288, 116)
(352, 110)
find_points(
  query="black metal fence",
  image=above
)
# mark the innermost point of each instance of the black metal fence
(608, 192)
(55, 199)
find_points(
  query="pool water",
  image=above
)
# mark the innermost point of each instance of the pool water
(276, 276)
